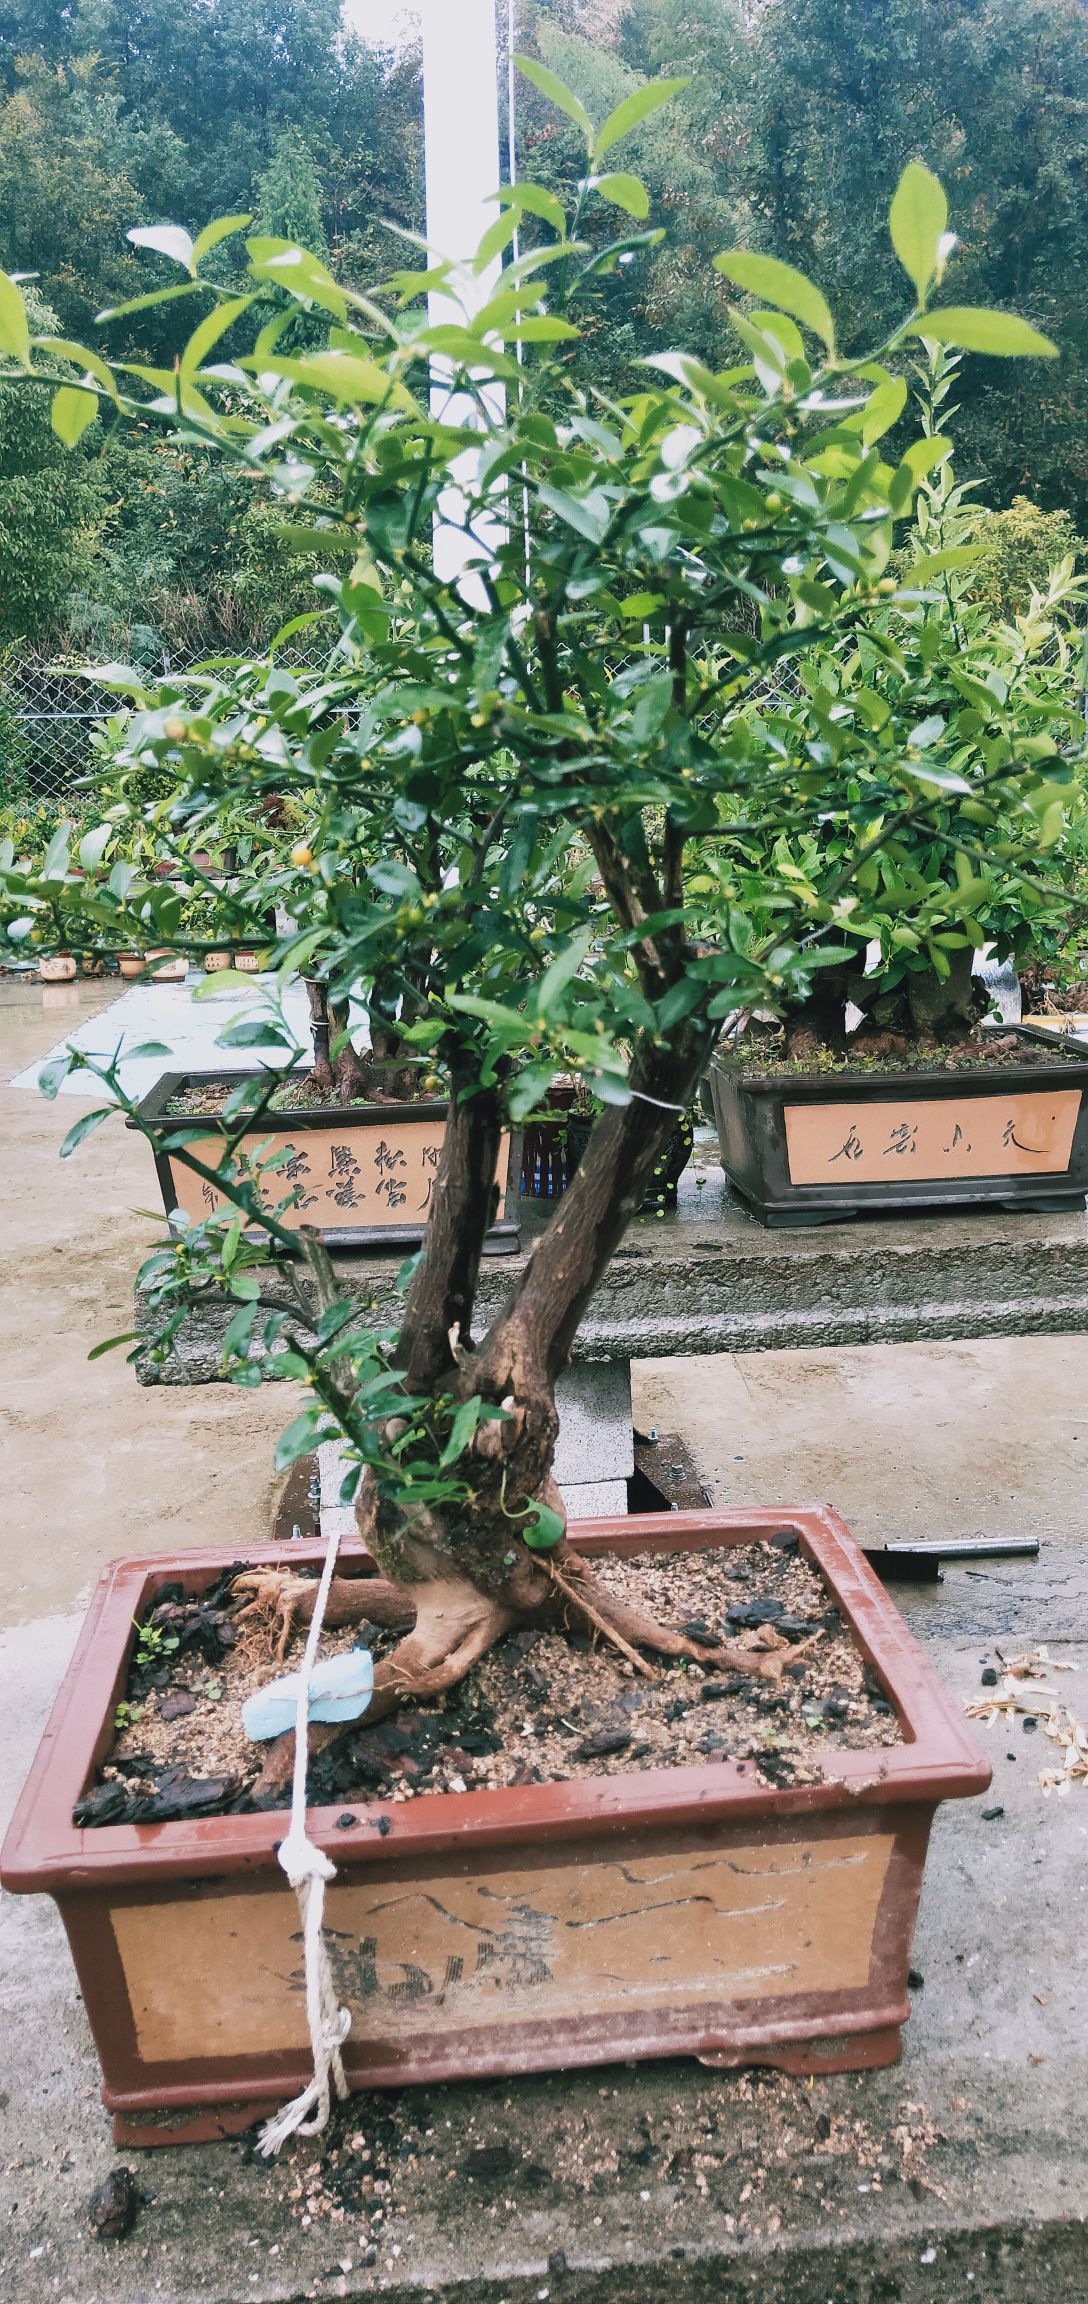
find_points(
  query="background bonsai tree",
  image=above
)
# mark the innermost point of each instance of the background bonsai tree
(964, 692)
(510, 779)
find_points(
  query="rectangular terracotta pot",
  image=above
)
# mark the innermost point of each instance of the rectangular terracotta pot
(367, 1171)
(820, 1147)
(675, 1911)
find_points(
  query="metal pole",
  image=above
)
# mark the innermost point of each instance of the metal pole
(461, 151)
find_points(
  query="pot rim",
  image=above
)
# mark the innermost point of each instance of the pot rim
(152, 1107)
(938, 1759)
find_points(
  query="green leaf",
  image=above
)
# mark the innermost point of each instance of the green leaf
(300, 1439)
(56, 855)
(14, 329)
(496, 238)
(883, 409)
(461, 1430)
(52, 1076)
(633, 110)
(109, 1343)
(145, 303)
(928, 731)
(625, 192)
(556, 91)
(94, 844)
(557, 975)
(783, 286)
(212, 234)
(918, 222)
(533, 200)
(64, 349)
(544, 328)
(71, 412)
(938, 563)
(209, 330)
(169, 240)
(85, 1126)
(253, 1032)
(544, 1529)
(588, 515)
(344, 375)
(296, 270)
(973, 328)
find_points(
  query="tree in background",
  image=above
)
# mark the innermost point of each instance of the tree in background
(289, 194)
(120, 112)
(49, 504)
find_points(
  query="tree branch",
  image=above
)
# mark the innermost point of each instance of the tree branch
(443, 1292)
(530, 1342)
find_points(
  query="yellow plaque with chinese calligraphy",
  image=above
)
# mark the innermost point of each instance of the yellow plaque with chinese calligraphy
(1026, 1133)
(344, 1178)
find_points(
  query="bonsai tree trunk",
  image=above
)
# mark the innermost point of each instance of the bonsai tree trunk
(461, 1576)
(337, 1067)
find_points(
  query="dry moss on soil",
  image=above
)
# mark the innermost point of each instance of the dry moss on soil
(300, 1094)
(541, 1708)
(759, 1054)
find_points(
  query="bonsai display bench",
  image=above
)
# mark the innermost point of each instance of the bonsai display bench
(711, 1279)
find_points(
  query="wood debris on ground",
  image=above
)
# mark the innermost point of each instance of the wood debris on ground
(1019, 1687)
(759, 2149)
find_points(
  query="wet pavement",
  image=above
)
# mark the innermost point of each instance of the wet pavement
(958, 2175)
(94, 1466)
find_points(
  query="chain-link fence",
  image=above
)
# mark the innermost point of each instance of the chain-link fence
(48, 713)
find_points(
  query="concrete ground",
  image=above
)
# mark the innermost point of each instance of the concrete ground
(959, 2175)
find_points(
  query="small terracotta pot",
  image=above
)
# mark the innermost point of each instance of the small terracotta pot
(168, 970)
(59, 968)
(669, 1912)
(215, 961)
(250, 963)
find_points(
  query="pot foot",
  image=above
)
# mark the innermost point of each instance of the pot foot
(188, 2123)
(842, 2052)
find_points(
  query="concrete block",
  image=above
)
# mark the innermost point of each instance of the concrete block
(594, 1499)
(596, 1441)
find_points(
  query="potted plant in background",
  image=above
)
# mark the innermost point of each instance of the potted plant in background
(554, 1141)
(915, 1101)
(514, 773)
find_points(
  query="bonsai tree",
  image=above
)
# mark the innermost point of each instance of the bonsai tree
(942, 680)
(510, 778)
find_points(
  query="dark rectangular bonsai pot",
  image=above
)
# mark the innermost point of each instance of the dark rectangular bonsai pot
(366, 1170)
(816, 1147)
(678, 1911)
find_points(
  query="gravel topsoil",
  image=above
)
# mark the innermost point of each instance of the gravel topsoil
(760, 1053)
(295, 1095)
(542, 1707)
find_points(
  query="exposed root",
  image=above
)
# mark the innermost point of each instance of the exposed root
(630, 1629)
(276, 1602)
(611, 1634)
(455, 1626)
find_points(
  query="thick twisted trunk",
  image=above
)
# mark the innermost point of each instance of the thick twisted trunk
(464, 1567)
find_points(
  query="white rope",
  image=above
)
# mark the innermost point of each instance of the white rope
(308, 1870)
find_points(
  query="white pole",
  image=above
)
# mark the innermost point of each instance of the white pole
(461, 148)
